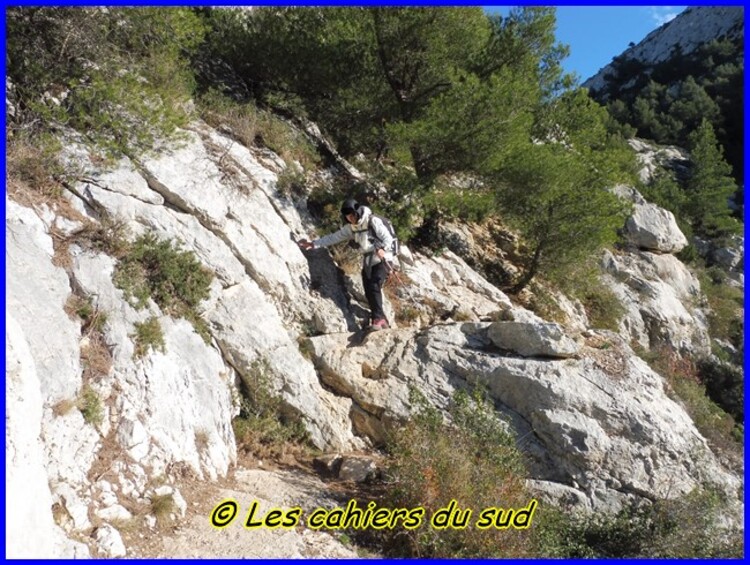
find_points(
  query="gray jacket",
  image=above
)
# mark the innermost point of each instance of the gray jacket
(359, 232)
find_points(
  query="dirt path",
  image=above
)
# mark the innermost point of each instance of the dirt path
(195, 536)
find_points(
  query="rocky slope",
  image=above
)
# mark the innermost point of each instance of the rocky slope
(596, 421)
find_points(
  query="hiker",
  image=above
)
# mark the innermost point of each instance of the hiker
(370, 234)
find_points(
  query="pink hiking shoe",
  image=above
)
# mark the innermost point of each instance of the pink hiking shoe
(380, 324)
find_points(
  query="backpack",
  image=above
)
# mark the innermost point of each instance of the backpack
(389, 226)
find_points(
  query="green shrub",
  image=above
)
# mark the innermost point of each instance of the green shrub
(725, 385)
(470, 203)
(685, 527)
(582, 281)
(663, 190)
(689, 255)
(90, 406)
(148, 336)
(473, 461)
(544, 304)
(173, 278)
(725, 318)
(291, 182)
(603, 307)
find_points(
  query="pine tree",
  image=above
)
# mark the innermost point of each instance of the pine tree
(710, 186)
(553, 189)
(562, 211)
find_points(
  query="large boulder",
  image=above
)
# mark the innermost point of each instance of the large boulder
(650, 227)
(661, 298)
(38, 290)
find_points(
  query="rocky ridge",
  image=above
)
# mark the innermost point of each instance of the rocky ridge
(695, 26)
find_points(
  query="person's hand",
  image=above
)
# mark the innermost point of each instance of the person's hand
(305, 245)
(380, 253)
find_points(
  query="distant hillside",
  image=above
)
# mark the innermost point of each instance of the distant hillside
(688, 69)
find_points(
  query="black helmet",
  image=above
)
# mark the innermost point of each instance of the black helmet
(350, 206)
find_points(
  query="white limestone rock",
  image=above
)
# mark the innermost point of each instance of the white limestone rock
(598, 429)
(75, 504)
(602, 422)
(650, 227)
(654, 159)
(692, 28)
(242, 214)
(448, 283)
(71, 446)
(109, 541)
(730, 257)
(38, 290)
(114, 513)
(31, 532)
(140, 216)
(532, 340)
(660, 296)
(247, 340)
(357, 469)
(166, 398)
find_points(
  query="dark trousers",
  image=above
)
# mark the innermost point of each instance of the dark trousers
(373, 280)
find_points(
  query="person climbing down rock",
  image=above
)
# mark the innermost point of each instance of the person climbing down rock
(374, 238)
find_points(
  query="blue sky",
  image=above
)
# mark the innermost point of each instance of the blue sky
(595, 34)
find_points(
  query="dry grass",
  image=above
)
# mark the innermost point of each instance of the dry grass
(406, 314)
(236, 121)
(254, 127)
(95, 354)
(464, 315)
(348, 260)
(162, 507)
(63, 407)
(96, 357)
(201, 440)
(109, 235)
(33, 177)
(28, 169)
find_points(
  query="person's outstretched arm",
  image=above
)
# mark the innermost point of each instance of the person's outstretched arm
(344, 234)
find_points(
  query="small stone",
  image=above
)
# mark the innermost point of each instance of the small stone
(110, 542)
(114, 512)
(357, 469)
